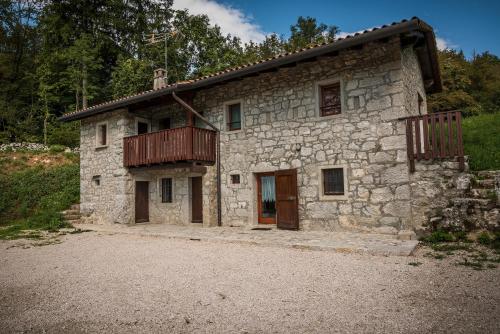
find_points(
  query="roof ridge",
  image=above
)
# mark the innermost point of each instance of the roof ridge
(243, 66)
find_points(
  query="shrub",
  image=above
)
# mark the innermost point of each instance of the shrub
(484, 238)
(439, 236)
(57, 148)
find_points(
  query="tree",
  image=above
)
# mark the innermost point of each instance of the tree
(307, 32)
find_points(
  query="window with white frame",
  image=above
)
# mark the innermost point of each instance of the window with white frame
(102, 134)
(333, 182)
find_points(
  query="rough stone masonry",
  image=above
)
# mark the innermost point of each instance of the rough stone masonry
(282, 129)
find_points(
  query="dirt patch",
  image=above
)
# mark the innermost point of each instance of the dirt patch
(128, 283)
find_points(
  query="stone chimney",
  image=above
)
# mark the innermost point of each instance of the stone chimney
(159, 79)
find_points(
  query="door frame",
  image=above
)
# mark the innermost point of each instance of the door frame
(147, 202)
(260, 219)
(191, 197)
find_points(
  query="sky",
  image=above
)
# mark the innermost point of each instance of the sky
(472, 26)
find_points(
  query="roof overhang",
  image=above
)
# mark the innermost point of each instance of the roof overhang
(426, 52)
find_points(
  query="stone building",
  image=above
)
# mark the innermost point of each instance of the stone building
(314, 140)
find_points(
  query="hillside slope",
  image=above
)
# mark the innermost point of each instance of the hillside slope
(36, 186)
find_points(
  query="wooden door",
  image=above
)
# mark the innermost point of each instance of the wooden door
(266, 198)
(287, 212)
(141, 201)
(196, 200)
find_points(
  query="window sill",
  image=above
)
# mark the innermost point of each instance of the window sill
(323, 118)
(333, 197)
(234, 131)
(98, 148)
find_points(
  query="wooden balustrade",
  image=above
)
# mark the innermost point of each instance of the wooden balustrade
(435, 136)
(186, 144)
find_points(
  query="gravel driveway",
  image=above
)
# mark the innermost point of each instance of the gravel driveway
(124, 283)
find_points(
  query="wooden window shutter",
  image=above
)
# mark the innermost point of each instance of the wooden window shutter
(330, 100)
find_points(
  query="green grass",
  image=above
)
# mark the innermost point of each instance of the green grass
(482, 141)
(32, 198)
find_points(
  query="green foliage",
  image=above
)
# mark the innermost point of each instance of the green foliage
(32, 198)
(56, 148)
(482, 141)
(471, 86)
(484, 238)
(438, 236)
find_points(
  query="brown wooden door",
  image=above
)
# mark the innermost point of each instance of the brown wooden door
(287, 212)
(196, 200)
(141, 201)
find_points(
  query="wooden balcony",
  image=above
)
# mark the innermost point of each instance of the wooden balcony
(435, 136)
(186, 144)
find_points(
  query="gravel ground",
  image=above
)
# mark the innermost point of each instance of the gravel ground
(124, 283)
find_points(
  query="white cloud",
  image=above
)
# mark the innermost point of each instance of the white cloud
(230, 20)
(443, 44)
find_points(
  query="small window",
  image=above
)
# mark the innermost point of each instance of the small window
(234, 117)
(142, 127)
(102, 134)
(164, 124)
(166, 190)
(235, 179)
(421, 110)
(96, 180)
(333, 181)
(330, 103)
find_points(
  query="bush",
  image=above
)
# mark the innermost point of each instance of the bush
(484, 238)
(439, 236)
(56, 148)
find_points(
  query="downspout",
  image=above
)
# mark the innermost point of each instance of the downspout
(218, 181)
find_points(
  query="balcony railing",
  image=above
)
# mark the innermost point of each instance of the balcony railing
(186, 144)
(435, 136)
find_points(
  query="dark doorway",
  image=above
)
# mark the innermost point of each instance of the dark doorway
(196, 200)
(142, 127)
(141, 201)
(266, 193)
(164, 124)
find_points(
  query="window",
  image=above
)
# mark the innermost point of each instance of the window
(421, 110)
(96, 180)
(164, 124)
(330, 103)
(235, 179)
(333, 181)
(234, 117)
(166, 190)
(142, 127)
(102, 135)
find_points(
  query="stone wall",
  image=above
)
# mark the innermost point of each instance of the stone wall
(112, 199)
(281, 130)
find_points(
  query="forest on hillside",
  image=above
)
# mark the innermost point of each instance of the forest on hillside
(60, 56)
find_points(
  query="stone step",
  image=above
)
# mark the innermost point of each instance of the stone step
(71, 217)
(73, 221)
(75, 207)
(71, 212)
(489, 174)
(481, 203)
(486, 183)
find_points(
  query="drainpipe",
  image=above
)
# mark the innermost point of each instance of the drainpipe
(219, 201)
